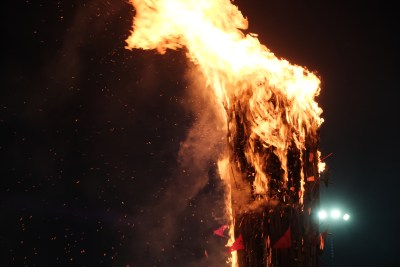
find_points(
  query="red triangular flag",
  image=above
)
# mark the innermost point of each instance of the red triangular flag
(220, 231)
(285, 241)
(237, 245)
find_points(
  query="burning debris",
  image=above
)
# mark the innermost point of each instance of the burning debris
(271, 164)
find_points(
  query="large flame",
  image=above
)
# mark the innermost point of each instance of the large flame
(275, 98)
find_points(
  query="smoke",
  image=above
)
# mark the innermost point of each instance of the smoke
(82, 151)
(194, 190)
(166, 233)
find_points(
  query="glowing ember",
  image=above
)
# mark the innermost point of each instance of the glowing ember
(268, 104)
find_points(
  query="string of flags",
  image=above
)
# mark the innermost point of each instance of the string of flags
(237, 244)
(285, 241)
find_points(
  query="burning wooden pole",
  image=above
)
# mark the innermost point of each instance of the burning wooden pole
(278, 227)
(272, 165)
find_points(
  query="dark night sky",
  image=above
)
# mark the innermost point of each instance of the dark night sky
(90, 133)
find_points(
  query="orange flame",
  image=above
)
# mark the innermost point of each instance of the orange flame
(278, 96)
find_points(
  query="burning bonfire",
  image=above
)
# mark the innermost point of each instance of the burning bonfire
(272, 164)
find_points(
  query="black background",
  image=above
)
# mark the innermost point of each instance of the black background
(90, 134)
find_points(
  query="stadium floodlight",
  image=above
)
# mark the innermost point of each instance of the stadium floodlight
(322, 214)
(335, 214)
(346, 217)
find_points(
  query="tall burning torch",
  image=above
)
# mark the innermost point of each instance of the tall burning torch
(271, 165)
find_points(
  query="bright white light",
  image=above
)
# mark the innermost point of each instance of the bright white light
(335, 214)
(322, 215)
(346, 217)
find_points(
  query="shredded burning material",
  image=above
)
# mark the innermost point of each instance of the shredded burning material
(271, 121)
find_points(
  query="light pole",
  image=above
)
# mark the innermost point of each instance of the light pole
(332, 216)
